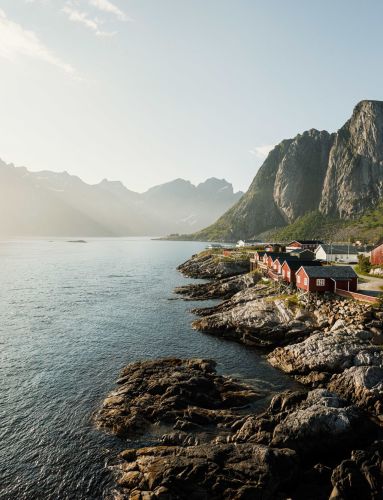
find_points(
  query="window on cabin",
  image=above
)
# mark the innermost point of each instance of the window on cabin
(298, 279)
(305, 281)
(288, 274)
(321, 282)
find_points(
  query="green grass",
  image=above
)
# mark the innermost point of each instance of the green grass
(313, 225)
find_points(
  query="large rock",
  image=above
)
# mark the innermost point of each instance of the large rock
(218, 289)
(214, 472)
(212, 264)
(361, 476)
(311, 423)
(180, 393)
(326, 352)
(255, 317)
(363, 385)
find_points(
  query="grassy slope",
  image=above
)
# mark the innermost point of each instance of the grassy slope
(313, 225)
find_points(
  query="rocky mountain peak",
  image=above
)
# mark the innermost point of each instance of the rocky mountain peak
(339, 174)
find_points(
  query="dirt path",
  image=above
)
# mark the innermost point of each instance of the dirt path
(370, 283)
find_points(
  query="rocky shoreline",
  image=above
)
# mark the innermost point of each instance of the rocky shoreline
(210, 442)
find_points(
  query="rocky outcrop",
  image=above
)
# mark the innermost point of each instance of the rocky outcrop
(362, 385)
(213, 471)
(354, 178)
(256, 318)
(211, 443)
(300, 175)
(218, 289)
(180, 394)
(338, 175)
(327, 352)
(361, 476)
(310, 423)
(210, 264)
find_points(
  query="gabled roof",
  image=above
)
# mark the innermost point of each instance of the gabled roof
(306, 242)
(294, 265)
(300, 250)
(334, 272)
(275, 255)
(289, 258)
(339, 249)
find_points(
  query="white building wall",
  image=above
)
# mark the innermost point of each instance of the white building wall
(320, 254)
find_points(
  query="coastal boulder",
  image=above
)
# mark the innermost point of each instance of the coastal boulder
(325, 352)
(214, 472)
(180, 393)
(361, 476)
(218, 289)
(310, 423)
(363, 385)
(211, 264)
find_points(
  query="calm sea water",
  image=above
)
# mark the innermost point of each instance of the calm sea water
(71, 316)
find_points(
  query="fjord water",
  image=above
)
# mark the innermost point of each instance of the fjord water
(71, 316)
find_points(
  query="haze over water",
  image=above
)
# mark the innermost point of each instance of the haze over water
(71, 316)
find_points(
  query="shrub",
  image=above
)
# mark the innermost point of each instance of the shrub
(364, 264)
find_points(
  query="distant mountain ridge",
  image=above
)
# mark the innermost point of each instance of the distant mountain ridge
(59, 204)
(338, 175)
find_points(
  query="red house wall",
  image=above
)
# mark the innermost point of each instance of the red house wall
(377, 256)
(286, 269)
(328, 286)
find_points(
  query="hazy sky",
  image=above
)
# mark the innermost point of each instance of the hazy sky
(145, 91)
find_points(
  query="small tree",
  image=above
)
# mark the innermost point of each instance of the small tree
(364, 264)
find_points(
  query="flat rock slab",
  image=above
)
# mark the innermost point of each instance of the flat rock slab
(330, 352)
(208, 265)
(362, 385)
(218, 289)
(185, 394)
(214, 472)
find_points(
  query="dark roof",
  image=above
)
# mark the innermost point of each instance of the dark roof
(294, 265)
(335, 272)
(275, 255)
(340, 249)
(307, 242)
(301, 250)
(289, 258)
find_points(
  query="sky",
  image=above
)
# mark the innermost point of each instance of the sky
(146, 91)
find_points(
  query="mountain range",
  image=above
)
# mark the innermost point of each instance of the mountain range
(59, 204)
(316, 176)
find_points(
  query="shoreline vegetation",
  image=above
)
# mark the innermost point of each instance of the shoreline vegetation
(209, 437)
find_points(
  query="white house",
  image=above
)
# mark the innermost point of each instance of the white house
(337, 253)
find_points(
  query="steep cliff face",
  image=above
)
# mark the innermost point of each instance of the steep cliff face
(339, 175)
(354, 179)
(288, 185)
(301, 173)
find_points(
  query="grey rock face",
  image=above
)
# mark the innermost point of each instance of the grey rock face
(363, 385)
(338, 174)
(222, 288)
(301, 173)
(354, 179)
(206, 265)
(325, 352)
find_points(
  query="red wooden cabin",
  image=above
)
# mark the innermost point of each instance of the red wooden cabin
(291, 266)
(303, 245)
(376, 258)
(326, 278)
